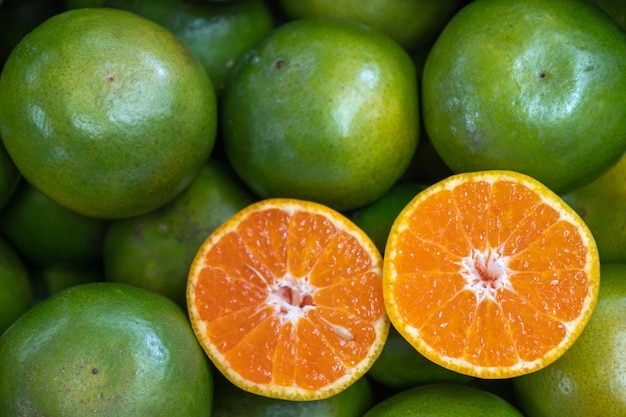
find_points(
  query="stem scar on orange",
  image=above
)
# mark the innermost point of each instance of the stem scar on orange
(490, 274)
(286, 299)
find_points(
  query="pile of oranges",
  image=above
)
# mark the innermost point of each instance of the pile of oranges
(329, 208)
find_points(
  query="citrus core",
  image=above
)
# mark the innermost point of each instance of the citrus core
(490, 274)
(286, 299)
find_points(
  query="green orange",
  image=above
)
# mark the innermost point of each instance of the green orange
(323, 109)
(376, 218)
(104, 349)
(530, 86)
(218, 34)
(400, 366)
(16, 293)
(616, 9)
(9, 176)
(413, 24)
(47, 233)
(443, 400)
(105, 112)
(589, 379)
(602, 205)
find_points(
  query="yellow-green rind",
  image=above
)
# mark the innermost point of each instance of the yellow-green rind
(103, 349)
(106, 112)
(323, 109)
(525, 86)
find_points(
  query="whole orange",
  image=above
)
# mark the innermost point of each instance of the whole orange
(323, 109)
(530, 86)
(104, 349)
(106, 112)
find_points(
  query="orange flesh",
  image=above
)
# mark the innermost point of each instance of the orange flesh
(289, 299)
(490, 273)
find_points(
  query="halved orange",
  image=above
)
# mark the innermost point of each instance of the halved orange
(286, 300)
(490, 274)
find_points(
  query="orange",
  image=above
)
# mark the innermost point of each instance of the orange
(524, 86)
(616, 9)
(444, 400)
(105, 112)
(589, 379)
(46, 233)
(414, 24)
(286, 299)
(217, 34)
(104, 349)
(490, 274)
(16, 290)
(9, 176)
(602, 205)
(322, 109)
(55, 278)
(376, 218)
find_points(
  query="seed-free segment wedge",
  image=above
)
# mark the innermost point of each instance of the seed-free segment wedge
(490, 274)
(286, 299)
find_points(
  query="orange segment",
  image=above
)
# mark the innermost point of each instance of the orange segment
(286, 299)
(490, 274)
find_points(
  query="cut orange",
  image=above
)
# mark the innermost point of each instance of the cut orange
(490, 274)
(286, 300)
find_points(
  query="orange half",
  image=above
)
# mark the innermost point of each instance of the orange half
(286, 300)
(490, 274)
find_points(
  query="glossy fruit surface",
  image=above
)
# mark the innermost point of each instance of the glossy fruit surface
(525, 87)
(589, 379)
(490, 274)
(105, 112)
(103, 349)
(322, 109)
(286, 299)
